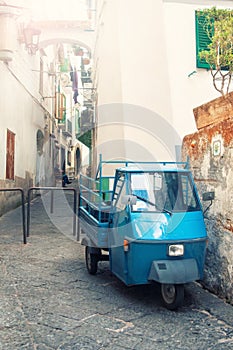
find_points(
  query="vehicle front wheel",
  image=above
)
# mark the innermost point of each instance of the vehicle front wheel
(173, 295)
(91, 261)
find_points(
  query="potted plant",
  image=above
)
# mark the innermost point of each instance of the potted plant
(218, 24)
(86, 61)
(78, 51)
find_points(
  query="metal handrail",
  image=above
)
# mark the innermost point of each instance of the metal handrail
(126, 163)
(23, 208)
(51, 208)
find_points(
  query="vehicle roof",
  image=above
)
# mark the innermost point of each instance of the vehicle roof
(152, 168)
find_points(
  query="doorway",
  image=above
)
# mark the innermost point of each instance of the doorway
(78, 160)
(63, 160)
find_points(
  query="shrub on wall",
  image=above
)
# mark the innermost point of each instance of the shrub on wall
(218, 26)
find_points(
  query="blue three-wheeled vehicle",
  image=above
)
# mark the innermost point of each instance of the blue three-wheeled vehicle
(149, 219)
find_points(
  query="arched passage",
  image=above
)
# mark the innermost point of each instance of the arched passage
(70, 41)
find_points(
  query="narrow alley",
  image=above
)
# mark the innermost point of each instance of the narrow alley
(125, 110)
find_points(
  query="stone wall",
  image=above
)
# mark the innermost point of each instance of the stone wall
(211, 158)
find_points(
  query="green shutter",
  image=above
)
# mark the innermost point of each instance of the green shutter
(202, 41)
(62, 108)
(65, 66)
(86, 138)
(64, 111)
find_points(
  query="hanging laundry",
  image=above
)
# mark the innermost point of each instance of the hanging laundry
(71, 73)
(75, 85)
(75, 96)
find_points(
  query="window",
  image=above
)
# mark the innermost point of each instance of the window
(206, 25)
(164, 192)
(188, 194)
(179, 193)
(202, 40)
(60, 107)
(10, 155)
(142, 186)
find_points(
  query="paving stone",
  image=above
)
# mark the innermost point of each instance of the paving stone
(48, 301)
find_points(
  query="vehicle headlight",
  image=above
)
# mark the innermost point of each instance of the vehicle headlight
(176, 250)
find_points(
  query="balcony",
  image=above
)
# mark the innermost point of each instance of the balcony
(86, 77)
(66, 128)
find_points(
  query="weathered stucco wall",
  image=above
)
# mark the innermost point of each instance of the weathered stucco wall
(211, 157)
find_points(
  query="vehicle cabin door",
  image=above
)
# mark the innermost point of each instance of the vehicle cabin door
(119, 227)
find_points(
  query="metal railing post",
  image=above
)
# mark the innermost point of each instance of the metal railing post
(23, 217)
(75, 212)
(51, 202)
(28, 212)
(52, 189)
(23, 208)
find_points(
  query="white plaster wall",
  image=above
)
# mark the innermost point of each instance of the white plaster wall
(107, 79)
(132, 79)
(107, 67)
(186, 92)
(145, 80)
(143, 57)
(20, 115)
(21, 108)
(144, 67)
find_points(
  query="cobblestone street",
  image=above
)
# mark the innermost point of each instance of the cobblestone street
(49, 301)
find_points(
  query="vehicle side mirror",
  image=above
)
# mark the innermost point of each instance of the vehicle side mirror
(129, 199)
(208, 196)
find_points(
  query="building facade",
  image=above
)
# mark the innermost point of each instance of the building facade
(136, 84)
(43, 98)
(146, 76)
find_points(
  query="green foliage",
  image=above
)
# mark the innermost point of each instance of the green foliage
(218, 24)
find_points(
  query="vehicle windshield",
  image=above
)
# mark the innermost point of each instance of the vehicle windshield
(163, 192)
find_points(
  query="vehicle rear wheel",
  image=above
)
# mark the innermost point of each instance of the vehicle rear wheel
(91, 261)
(173, 295)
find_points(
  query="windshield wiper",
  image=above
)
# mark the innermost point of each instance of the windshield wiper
(163, 210)
(153, 204)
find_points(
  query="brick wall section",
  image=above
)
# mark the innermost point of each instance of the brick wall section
(214, 112)
(211, 158)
